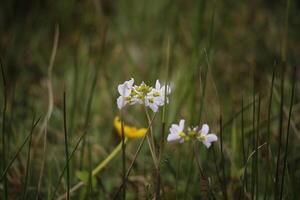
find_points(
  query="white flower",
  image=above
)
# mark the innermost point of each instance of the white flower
(176, 132)
(125, 93)
(206, 138)
(139, 93)
(156, 97)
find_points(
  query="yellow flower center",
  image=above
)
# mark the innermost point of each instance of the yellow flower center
(202, 138)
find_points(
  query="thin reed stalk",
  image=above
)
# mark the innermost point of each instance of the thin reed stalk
(288, 132)
(66, 146)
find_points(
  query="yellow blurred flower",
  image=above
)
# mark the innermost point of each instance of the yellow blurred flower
(129, 131)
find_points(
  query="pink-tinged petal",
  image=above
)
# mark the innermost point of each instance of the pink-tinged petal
(124, 90)
(211, 138)
(181, 140)
(207, 144)
(173, 130)
(204, 129)
(173, 137)
(154, 107)
(175, 126)
(157, 85)
(120, 102)
(181, 125)
(121, 89)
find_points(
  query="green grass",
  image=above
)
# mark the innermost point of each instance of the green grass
(217, 56)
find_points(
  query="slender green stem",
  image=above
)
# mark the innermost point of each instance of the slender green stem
(16, 154)
(134, 158)
(5, 193)
(256, 146)
(269, 133)
(280, 131)
(244, 149)
(253, 139)
(151, 141)
(216, 166)
(224, 184)
(288, 133)
(115, 152)
(66, 147)
(95, 171)
(65, 167)
(28, 161)
(123, 154)
(177, 172)
(189, 175)
(88, 112)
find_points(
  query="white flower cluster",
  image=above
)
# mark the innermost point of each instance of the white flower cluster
(143, 94)
(177, 134)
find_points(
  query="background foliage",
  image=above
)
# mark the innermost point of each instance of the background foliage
(220, 53)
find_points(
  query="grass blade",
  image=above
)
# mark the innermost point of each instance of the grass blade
(66, 146)
(267, 175)
(16, 155)
(280, 129)
(256, 146)
(28, 161)
(288, 132)
(65, 167)
(224, 185)
(5, 194)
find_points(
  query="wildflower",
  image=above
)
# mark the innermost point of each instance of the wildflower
(206, 138)
(125, 92)
(156, 97)
(143, 94)
(129, 131)
(193, 133)
(176, 132)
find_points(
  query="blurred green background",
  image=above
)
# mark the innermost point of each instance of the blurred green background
(220, 52)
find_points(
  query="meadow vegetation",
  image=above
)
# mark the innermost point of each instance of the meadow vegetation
(233, 65)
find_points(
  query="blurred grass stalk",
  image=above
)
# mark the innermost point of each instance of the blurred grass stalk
(5, 193)
(44, 126)
(66, 145)
(268, 174)
(288, 131)
(123, 156)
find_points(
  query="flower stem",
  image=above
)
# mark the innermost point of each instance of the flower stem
(101, 165)
(150, 140)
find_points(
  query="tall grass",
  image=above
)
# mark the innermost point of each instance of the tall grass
(204, 50)
(4, 145)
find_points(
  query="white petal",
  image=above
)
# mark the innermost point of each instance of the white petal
(154, 107)
(130, 82)
(211, 138)
(124, 90)
(181, 125)
(120, 102)
(173, 137)
(204, 129)
(207, 144)
(174, 129)
(121, 89)
(147, 103)
(159, 101)
(157, 85)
